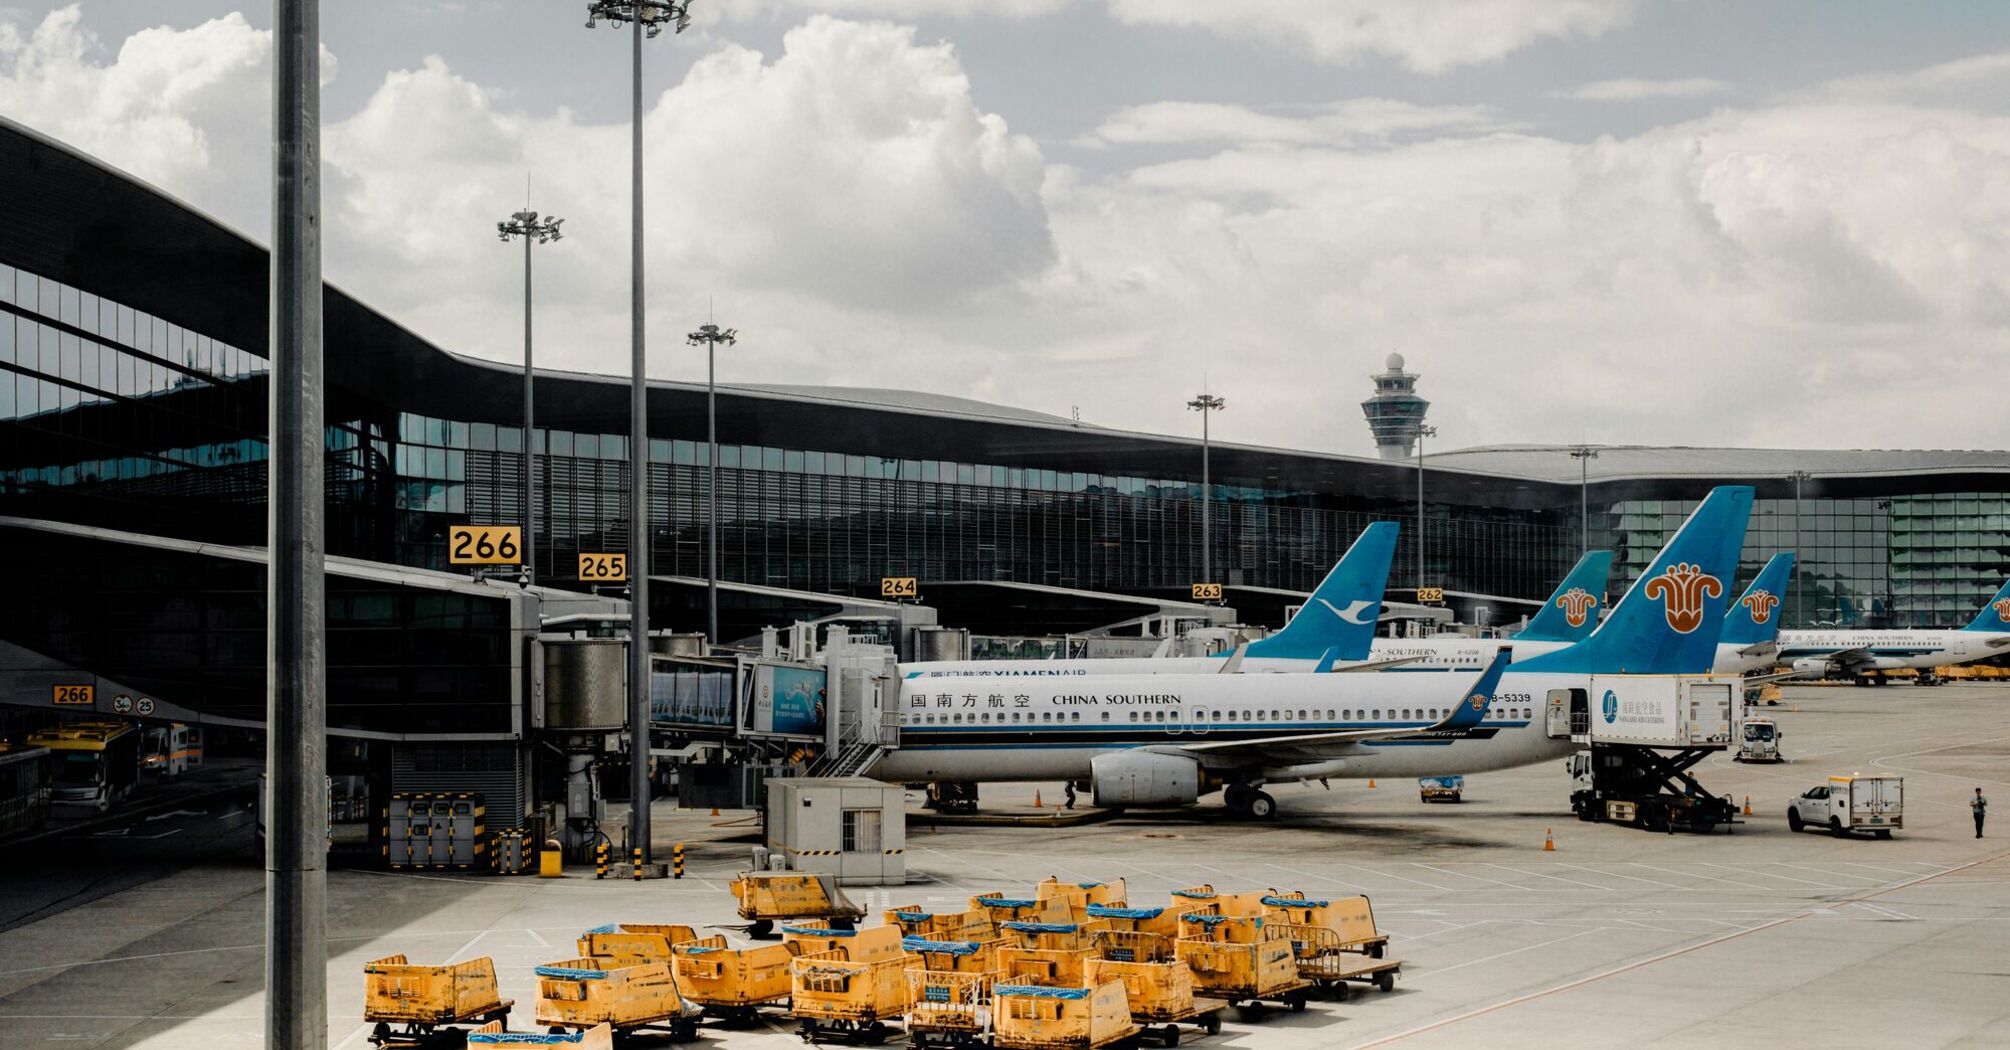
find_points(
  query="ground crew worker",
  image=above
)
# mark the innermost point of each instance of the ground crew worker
(1981, 807)
(1071, 798)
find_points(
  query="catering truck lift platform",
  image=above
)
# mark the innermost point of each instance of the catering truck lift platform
(1642, 736)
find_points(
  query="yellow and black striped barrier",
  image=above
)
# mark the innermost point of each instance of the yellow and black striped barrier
(600, 861)
(637, 851)
(677, 861)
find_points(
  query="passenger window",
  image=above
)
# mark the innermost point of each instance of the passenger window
(1073, 716)
(1301, 716)
(1106, 717)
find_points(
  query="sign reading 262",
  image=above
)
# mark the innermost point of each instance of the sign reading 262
(484, 544)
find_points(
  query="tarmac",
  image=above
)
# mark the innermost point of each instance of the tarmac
(1759, 938)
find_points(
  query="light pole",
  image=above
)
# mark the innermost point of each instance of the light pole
(1584, 454)
(296, 841)
(1423, 431)
(642, 16)
(1205, 404)
(1800, 610)
(711, 336)
(533, 230)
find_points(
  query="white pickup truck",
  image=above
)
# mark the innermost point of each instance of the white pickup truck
(1847, 805)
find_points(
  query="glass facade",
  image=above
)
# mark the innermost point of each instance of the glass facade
(110, 416)
(1926, 560)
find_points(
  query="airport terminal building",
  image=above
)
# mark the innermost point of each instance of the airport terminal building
(132, 485)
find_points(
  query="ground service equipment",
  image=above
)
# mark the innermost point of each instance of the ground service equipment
(731, 983)
(1441, 789)
(1162, 921)
(1352, 919)
(1847, 805)
(1242, 959)
(624, 994)
(634, 940)
(492, 1036)
(1157, 985)
(847, 984)
(974, 925)
(405, 1004)
(1080, 895)
(1760, 742)
(768, 897)
(1003, 909)
(1035, 1017)
(949, 985)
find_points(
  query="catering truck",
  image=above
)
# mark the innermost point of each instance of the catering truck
(1847, 805)
(1643, 733)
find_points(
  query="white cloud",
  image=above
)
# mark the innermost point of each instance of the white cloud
(1339, 123)
(1425, 36)
(1980, 82)
(1635, 90)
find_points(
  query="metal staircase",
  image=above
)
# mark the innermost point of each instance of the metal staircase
(852, 759)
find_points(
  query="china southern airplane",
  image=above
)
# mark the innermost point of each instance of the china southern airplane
(1162, 740)
(1855, 652)
(1334, 630)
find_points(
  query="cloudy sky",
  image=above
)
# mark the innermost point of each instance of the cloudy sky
(1694, 221)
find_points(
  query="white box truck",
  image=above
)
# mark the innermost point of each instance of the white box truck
(1663, 711)
(1847, 805)
(1760, 742)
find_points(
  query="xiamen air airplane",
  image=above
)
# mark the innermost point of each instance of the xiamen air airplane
(1162, 740)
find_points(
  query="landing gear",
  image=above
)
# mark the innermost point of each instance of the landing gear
(1249, 803)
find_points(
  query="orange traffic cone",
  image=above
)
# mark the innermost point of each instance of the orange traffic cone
(715, 811)
(1036, 799)
(1748, 805)
(1371, 783)
(1548, 841)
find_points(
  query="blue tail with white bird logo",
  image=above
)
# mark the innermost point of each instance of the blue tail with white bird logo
(1755, 619)
(1670, 619)
(1344, 608)
(1994, 616)
(1571, 614)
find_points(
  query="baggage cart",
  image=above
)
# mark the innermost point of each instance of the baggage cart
(634, 940)
(1037, 1017)
(1070, 936)
(732, 983)
(768, 897)
(846, 983)
(1159, 987)
(1205, 900)
(1002, 909)
(624, 994)
(1242, 959)
(962, 956)
(1079, 895)
(407, 1004)
(949, 1008)
(1325, 960)
(1441, 789)
(493, 1036)
(1351, 918)
(973, 925)
(1162, 921)
(1051, 954)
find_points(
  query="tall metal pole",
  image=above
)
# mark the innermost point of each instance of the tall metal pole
(527, 225)
(1422, 433)
(638, 460)
(1800, 610)
(1206, 404)
(1584, 454)
(296, 840)
(711, 493)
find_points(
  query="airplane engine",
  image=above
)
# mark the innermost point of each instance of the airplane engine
(1144, 778)
(1811, 665)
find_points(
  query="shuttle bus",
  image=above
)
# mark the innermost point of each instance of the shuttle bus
(96, 763)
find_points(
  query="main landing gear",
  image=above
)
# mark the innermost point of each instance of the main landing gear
(1248, 802)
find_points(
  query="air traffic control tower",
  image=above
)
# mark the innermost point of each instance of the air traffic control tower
(1395, 412)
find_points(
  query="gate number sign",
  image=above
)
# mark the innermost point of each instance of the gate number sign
(78, 695)
(484, 544)
(603, 567)
(1430, 594)
(899, 587)
(1207, 592)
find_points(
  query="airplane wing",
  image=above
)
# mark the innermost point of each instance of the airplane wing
(1383, 665)
(1849, 659)
(1464, 715)
(1998, 642)
(1760, 649)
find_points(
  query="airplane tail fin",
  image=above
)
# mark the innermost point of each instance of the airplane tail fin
(1670, 619)
(1473, 708)
(1343, 610)
(1994, 616)
(1571, 614)
(1756, 616)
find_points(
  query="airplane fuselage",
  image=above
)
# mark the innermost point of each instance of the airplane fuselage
(1896, 648)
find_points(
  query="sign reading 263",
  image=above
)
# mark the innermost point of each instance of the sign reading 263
(1207, 592)
(484, 544)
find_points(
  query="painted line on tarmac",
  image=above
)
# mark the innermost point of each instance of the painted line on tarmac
(1513, 951)
(1559, 878)
(1700, 875)
(1635, 878)
(1476, 878)
(1663, 957)
(1783, 878)
(1838, 874)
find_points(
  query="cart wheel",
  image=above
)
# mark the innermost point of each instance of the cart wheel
(556, 1030)
(1375, 951)
(1212, 1022)
(762, 929)
(875, 1033)
(683, 1031)
(1339, 990)
(1386, 981)
(843, 922)
(1170, 1035)
(1296, 1001)
(380, 1034)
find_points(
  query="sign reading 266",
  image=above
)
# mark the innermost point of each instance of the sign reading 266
(484, 544)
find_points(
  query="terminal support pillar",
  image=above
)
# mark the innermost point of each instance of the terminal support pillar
(296, 840)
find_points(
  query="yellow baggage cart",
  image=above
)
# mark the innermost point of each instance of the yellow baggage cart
(768, 897)
(1328, 965)
(1206, 900)
(405, 1003)
(973, 925)
(732, 983)
(624, 994)
(949, 1008)
(1352, 919)
(1160, 988)
(1242, 959)
(847, 984)
(493, 1036)
(1080, 895)
(1038, 1017)
(967, 956)
(1071, 936)
(634, 940)
(1003, 909)
(1162, 921)
(1057, 959)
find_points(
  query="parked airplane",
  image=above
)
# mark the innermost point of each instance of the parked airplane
(1752, 628)
(1162, 740)
(1339, 619)
(1855, 653)
(1572, 613)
